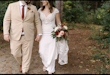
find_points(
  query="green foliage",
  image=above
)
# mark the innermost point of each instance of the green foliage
(101, 69)
(101, 13)
(98, 16)
(102, 16)
(95, 33)
(106, 23)
(71, 25)
(85, 12)
(100, 37)
(3, 7)
(103, 58)
(74, 11)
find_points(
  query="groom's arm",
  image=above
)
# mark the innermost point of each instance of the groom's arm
(38, 25)
(38, 22)
(6, 23)
(7, 20)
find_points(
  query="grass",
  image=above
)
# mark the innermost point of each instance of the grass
(103, 56)
(3, 45)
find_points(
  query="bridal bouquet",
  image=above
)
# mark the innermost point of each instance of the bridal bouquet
(60, 32)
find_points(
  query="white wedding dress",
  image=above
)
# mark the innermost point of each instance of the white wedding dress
(47, 45)
(62, 47)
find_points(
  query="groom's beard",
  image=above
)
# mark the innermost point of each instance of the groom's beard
(27, 2)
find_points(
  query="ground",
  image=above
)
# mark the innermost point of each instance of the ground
(78, 56)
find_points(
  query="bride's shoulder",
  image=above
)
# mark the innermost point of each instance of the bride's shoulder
(39, 10)
(55, 10)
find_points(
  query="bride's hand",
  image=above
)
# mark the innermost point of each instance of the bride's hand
(67, 33)
(38, 38)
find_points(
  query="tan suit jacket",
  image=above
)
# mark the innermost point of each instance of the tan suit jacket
(13, 21)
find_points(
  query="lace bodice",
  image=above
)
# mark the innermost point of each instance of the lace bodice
(48, 23)
(50, 19)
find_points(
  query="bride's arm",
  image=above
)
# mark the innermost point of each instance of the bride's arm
(39, 14)
(58, 19)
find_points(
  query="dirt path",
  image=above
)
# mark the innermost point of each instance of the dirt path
(78, 56)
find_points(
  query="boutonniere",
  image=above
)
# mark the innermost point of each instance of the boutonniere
(31, 11)
(29, 8)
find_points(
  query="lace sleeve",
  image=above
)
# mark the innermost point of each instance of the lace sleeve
(56, 10)
(63, 49)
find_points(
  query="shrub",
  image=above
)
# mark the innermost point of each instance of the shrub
(106, 21)
(74, 11)
(98, 16)
(103, 18)
(3, 7)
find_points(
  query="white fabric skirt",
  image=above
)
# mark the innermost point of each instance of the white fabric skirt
(48, 52)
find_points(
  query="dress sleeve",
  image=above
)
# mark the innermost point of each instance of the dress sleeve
(39, 10)
(56, 10)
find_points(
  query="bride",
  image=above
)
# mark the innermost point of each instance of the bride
(47, 45)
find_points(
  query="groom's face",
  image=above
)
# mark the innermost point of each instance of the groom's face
(27, 1)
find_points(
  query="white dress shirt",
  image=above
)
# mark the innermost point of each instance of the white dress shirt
(25, 9)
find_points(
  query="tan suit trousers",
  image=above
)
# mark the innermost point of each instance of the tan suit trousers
(22, 51)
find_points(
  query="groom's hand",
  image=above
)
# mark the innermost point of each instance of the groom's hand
(38, 37)
(7, 37)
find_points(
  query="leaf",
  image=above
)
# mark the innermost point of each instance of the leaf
(93, 61)
(87, 69)
(81, 62)
(98, 60)
(87, 65)
(80, 66)
(92, 65)
(89, 47)
(77, 57)
(73, 64)
(86, 57)
(107, 66)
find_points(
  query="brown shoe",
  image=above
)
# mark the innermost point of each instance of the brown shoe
(24, 73)
(20, 68)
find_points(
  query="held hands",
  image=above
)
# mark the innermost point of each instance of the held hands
(7, 37)
(38, 37)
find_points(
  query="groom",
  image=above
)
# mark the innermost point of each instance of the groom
(18, 28)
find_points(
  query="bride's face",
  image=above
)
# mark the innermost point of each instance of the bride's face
(44, 2)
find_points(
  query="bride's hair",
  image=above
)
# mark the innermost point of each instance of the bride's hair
(50, 4)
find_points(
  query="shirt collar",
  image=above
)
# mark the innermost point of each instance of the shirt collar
(21, 3)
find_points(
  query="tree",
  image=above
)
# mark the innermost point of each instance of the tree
(59, 6)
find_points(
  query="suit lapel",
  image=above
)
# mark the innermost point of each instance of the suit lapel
(19, 13)
(28, 9)
(18, 8)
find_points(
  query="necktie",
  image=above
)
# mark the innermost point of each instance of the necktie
(23, 14)
(23, 11)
